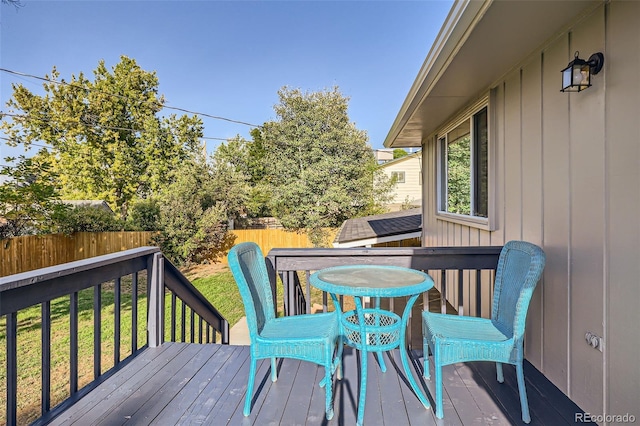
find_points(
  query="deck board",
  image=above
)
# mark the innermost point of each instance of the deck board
(419, 414)
(142, 395)
(345, 391)
(172, 412)
(117, 388)
(185, 384)
(299, 401)
(221, 386)
(486, 410)
(394, 410)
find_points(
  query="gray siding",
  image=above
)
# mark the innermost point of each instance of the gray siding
(622, 196)
(567, 177)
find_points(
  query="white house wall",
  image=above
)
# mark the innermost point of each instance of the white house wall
(567, 177)
(411, 189)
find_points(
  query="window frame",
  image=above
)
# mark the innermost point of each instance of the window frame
(487, 223)
(399, 173)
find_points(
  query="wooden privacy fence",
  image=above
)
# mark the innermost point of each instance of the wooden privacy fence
(268, 239)
(21, 254)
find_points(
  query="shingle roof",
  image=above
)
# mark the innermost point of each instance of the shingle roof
(382, 225)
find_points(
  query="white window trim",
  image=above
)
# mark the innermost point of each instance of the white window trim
(488, 223)
(398, 174)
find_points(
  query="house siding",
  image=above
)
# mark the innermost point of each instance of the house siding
(622, 196)
(567, 177)
(411, 189)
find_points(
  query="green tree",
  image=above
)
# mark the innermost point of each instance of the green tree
(260, 191)
(255, 157)
(399, 153)
(239, 170)
(193, 227)
(229, 184)
(86, 219)
(106, 140)
(29, 199)
(145, 215)
(319, 166)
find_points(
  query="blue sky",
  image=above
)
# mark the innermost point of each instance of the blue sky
(228, 58)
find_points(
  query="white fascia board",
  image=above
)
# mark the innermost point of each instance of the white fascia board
(378, 240)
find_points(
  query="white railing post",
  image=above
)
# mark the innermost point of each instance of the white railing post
(155, 322)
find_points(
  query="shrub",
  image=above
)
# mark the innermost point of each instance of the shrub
(145, 215)
(87, 219)
(193, 224)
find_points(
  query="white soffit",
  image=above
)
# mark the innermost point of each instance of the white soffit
(479, 42)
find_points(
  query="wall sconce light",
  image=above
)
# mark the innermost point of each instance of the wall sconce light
(577, 75)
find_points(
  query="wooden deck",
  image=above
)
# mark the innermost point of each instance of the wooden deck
(181, 383)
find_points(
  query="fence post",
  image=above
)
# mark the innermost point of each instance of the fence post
(155, 324)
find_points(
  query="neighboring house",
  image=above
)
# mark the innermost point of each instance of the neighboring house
(98, 204)
(401, 228)
(408, 174)
(383, 155)
(558, 169)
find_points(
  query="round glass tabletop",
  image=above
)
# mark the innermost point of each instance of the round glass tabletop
(372, 280)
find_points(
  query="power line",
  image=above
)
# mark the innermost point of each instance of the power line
(50, 147)
(215, 117)
(89, 125)
(215, 139)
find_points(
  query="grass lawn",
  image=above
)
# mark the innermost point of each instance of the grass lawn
(221, 290)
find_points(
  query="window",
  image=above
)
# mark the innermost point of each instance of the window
(464, 168)
(398, 177)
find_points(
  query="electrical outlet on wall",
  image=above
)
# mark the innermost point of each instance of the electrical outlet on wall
(594, 340)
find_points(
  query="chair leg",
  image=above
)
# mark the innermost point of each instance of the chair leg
(252, 378)
(335, 364)
(523, 393)
(425, 348)
(338, 360)
(274, 370)
(328, 391)
(499, 373)
(438, 378)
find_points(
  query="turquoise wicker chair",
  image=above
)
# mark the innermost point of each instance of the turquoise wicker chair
(315, 338)
(454, 338)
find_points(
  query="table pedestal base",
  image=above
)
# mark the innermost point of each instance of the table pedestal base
(377, 330)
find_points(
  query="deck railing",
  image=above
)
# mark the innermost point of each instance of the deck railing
(463, 275)
(125, 278)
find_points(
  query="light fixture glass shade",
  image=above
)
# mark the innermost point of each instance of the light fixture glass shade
(576, 76)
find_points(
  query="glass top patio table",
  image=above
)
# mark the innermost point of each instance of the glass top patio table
(374, 329)
(372, 281)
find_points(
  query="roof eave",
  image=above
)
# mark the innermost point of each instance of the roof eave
(442, 51)
(479, 43)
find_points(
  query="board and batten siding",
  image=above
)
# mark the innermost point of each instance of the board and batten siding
(567, 177)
